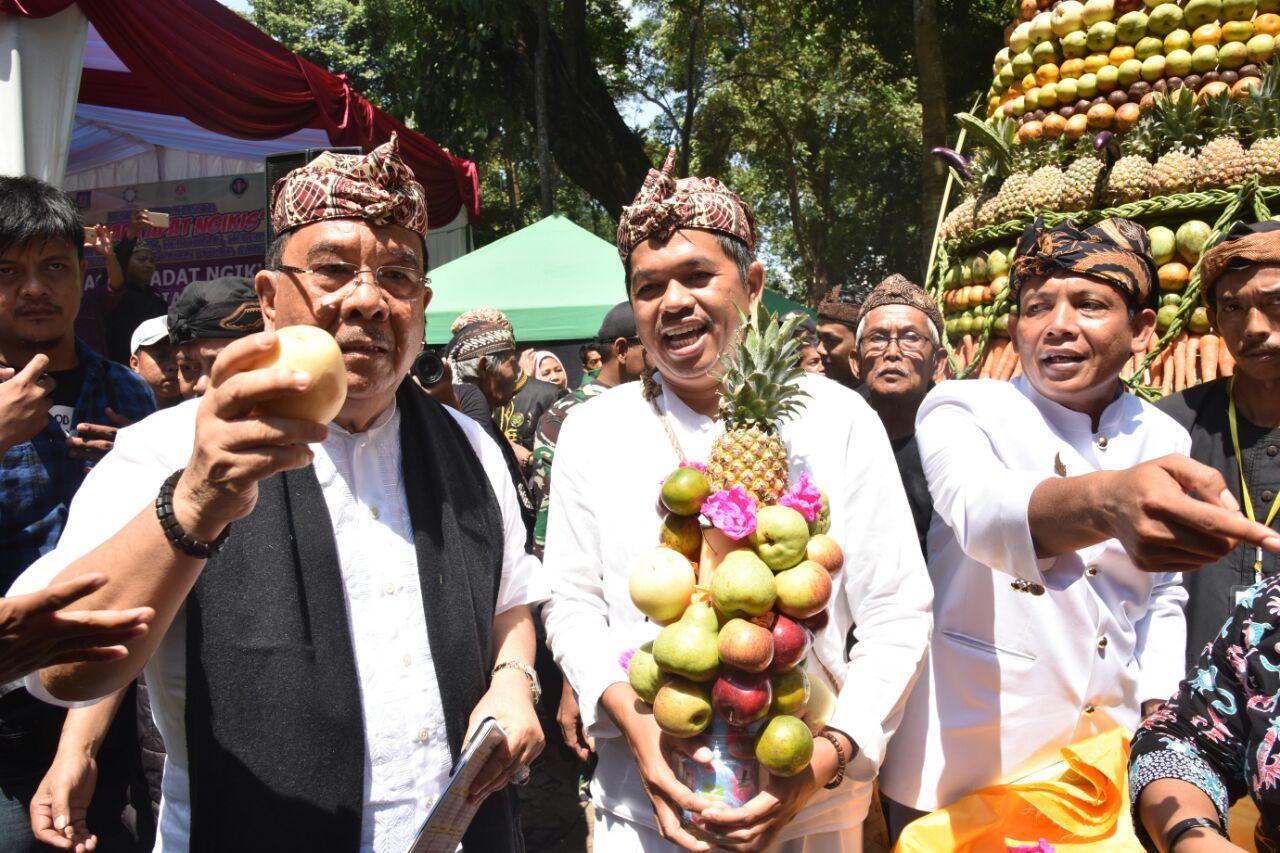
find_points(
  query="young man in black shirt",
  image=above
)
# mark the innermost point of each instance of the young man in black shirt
(1235, 421)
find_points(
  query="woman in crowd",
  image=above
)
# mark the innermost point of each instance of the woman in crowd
(550, 368)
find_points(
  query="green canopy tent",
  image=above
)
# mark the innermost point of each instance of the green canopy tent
(553, 280)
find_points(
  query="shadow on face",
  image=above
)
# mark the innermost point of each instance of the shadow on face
(39, 294)
(194, 361)
(835, 348)
(1248, 319)
(551, 371)
(897, 356)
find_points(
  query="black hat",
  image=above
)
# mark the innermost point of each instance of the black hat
(225, 307)
(620, 322)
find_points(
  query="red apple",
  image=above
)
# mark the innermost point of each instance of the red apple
(746, 645)
(742, 697)
(818, 621)
(790, 644)
(826, 552)
(804, 590)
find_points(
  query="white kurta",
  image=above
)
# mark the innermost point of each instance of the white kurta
(1012, 676)
(610, 462)
(407, 760)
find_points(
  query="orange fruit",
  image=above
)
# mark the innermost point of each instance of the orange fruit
(1211, 90)
(1101, 116)
(1121, 53)
(1031, 131)
(1267, 23)
(1077, 126)
(1095, 61)
(1072, 68)
(1127, 116)
(1047, 73)
(1240, 89)
(1207, 34)
(1054, 126)
(1173, 276)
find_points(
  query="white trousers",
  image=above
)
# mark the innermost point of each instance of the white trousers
(613, 834)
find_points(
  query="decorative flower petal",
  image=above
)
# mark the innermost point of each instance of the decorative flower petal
(733, 511)
(697, 466)
(624, 659)
(804, 497)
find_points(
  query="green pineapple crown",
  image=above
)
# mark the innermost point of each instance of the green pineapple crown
(1172, 124)
(1222, 116)
(758, 376)
(1262, 109)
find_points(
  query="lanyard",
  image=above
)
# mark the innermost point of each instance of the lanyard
(1244, 487)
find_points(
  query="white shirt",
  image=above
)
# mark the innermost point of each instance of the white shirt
(407, 760)
(610, 462)
(1012, 676)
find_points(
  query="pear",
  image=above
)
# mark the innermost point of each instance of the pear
(691, 646)
(743, 585)
(644, 673)
(683, 708)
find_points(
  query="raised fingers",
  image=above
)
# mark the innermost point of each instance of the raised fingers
(240, 355)
(1223, 523)
(238, 393)
(272, 432)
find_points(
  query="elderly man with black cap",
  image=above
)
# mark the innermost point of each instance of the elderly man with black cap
(899, 355)
(1235, 421)
(337, 607)
(1065, 513)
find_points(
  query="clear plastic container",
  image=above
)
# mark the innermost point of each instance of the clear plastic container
(733, 777)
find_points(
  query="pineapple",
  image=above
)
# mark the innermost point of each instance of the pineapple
(1080, 184)
(1223, 161)
(985, 213)
(1170, 132)
(1010, 202)
(758, 390)
(1263, 115)
(1044, 189)
(959, 222)
(1130, 180)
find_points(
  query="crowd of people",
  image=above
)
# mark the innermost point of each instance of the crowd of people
(231, 630)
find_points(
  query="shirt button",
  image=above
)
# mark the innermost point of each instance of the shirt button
(1020, 585)
(422, 736)
(1267, 494)
(1102, 643)
(389, 589)
(1035, 589)
(1102, 442)
(406, 660)
(373, 513)
(1089, 709)
(1272, 450)
(1092, 571)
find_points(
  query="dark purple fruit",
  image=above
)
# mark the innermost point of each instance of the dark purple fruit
(1138, 90)
(1229, 77)
(1039, 115)
(1174, 83)
(1066, 112)
(1249, 71)
(1082, 105)
(1160, 86)
(1193, 82)
(1211, 77)
(1118, 98)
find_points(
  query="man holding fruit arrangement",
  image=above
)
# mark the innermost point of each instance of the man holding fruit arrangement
(782, 523)
(336, 562)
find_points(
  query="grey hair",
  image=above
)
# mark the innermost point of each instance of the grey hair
(466, 371)
(862, 322)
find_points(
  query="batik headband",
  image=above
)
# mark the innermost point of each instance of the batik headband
(1117, 251)
(897, 290)
(1244, 245)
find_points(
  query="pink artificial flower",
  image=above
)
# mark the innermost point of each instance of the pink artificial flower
(697, 466)
(733, 511)
(624, 660)
(804, 498)
(1042, 847)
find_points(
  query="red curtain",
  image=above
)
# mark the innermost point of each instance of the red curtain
(200, 60)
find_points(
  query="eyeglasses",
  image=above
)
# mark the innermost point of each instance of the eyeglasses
(909, 342)
(399, 282)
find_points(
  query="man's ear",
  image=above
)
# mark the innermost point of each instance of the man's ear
(1142, 327)
(940, 364)
(264, 283)
(755, 285)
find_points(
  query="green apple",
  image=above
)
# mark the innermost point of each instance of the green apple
(1109, 76)
(1099, 10)
(1191, 237)
(1002, 59)
(1068, 91)
(780, 537)
(1163, 244)
(1022, 64)
(1238, 10)
(1131, 27)
(1179, 39)
(1087, 86)
(743, 585)
(1045, 53)
(790, 692)
(1164, 19)
(1153, 68)
(1005, 78)
(1101, 37)
(1049, 95)
(1233, 55)
(1017, 107)
(1149, 47)
(1075, 45)
(785, 746)
(1041, 28)
(1130, 72)
(661, 584)
(1200, 12)
(1032, 99)
(1204, 59)
(1261, 48)
(1178, 63)
(1020, 38)
(1067, 17)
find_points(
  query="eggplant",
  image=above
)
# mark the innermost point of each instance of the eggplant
(1102, 140)
(956, 161)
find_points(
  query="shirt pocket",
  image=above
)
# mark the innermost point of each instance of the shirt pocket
(987, 646)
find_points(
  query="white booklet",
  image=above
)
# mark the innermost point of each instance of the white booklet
(443, 829)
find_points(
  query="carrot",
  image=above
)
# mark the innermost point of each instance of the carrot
(1209, 357)
(1226, 364)
(993, 358)
(1193, 348)
(1009, 362)
(1180, 366)
(1169, 373)
(1157, 368)
(966, 351)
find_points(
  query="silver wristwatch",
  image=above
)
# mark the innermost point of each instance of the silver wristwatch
(534, 686)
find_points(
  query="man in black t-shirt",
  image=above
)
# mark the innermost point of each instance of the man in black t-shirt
(899, 355)
(137, 301)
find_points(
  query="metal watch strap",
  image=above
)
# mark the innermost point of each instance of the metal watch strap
(535, 687)
(1182, 827)
(181, 539)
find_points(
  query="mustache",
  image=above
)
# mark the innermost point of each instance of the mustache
(361, 337)
(37, 306)
(1259, 349)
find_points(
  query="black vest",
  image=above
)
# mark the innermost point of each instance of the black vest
(275, 734)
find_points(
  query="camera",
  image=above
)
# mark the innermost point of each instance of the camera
(428, 367)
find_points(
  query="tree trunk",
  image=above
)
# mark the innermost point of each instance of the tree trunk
(692, 91)
(932, 87)
(546, 179)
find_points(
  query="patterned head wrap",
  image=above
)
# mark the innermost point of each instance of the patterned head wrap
(1243, 246)
(377, 187)
(897, 290)
(665, 205)
(1117, 251)
(480, 339)
(482, 315)
(841, 305)
(225, 307)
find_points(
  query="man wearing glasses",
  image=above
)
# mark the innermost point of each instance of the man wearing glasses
(900, 356)
(337, 606)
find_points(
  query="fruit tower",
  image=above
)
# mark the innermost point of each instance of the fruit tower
(738, 584)
(1166, 112)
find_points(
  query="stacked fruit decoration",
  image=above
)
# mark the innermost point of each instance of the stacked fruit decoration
(1163, 111)
(740, 582)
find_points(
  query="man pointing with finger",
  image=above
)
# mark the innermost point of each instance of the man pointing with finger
(1063, 515)
(337, 607)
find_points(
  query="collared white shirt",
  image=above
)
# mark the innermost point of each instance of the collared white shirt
(611, 458)
(1029, 655)
(407, 760)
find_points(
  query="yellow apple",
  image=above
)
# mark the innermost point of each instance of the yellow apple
(314, 351)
